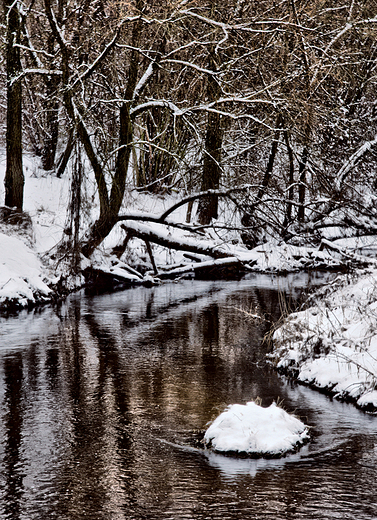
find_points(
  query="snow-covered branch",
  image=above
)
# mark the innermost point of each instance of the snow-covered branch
(158, 103)
(246, 26)
(40, 72)
(144, 80)
(352, 161)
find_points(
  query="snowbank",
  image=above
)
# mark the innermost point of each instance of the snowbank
(255, 431)
(333, 344)
(22, 279)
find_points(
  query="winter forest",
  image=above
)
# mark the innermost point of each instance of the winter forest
(252, 121)
(229, 146)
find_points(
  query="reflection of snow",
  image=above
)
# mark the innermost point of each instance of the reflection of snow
(232, 467)
(256, 431)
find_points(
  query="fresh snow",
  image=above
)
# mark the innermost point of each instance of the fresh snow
(255, 431)
(21, 273)
(46, 199)
(332, 345)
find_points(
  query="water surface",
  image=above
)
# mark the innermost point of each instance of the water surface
(103, 401)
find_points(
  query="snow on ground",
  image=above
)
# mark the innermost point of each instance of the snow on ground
(255, 431)
(22, 279)
(46, 199)
(332, 345)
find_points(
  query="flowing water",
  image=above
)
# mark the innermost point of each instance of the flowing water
(103, 401)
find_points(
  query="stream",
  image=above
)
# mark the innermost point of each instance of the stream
(104, 400)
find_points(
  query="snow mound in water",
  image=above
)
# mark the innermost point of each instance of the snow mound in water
(256, 432)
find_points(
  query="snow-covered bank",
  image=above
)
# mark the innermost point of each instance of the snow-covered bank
(31, 269)
(256, 432)
(23, 279)
(332, 345)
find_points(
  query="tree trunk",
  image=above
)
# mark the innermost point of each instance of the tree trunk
(271, 159)
(14, 177)
(247, 218)
(208, 206)
(64, 158)
(51, 108)
(302, 183)
(109, 211)
(288, 214)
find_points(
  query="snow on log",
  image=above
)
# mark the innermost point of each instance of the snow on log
(345, 253)
(201, 267)
(161, 235)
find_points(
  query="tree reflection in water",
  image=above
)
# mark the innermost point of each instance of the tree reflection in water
(102, 408)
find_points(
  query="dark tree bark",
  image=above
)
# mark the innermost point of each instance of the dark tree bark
(14, 177)
(288, 214)
(51, 109)
(208, 206)
(302, 183)
(64, 158)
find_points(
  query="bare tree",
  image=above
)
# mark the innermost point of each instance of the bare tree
(14, 176)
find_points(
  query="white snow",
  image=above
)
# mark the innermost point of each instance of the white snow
(256, 431)
(21, 272)
(46, 199)
(332, 345)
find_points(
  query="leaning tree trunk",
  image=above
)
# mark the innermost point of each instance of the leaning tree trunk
(14, 177)
(110, 204)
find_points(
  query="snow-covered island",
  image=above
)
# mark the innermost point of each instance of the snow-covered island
(253, 431)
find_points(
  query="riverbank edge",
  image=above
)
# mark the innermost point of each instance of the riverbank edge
(292, 375)
(307, 348)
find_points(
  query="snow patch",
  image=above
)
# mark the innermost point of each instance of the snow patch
(332, 345)
(21, 273)
(255, 431)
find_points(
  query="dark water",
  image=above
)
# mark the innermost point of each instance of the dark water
(102, 401)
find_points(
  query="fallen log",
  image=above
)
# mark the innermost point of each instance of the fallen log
(349, 255)
(160, 235)
(217, 268)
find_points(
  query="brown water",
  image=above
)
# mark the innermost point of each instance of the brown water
(103, 399)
